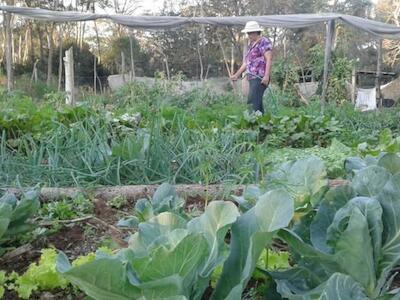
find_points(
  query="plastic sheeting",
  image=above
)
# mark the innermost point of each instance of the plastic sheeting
(375, 28)
(366, 99)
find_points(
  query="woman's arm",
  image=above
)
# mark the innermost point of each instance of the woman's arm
(239, 72)
(268, 64)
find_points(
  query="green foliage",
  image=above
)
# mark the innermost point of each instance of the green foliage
(316, 61)
(340, 75)
(170, 256)
(353, 240)
(293, 130)
(334, 156)
(305, 180)
(386, 143)
(67, 209)
(249, 236)
(285, 73)
(155, 134)
(272, 260)
(165, 199)
(15, 214)
(40, 276)
(3, 279)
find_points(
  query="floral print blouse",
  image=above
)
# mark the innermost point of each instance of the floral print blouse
(255, 59)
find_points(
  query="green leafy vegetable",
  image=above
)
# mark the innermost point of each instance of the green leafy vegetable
(15, 213)
(355, 233)
(250, 234)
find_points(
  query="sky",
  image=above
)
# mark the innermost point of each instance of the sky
(151, 6)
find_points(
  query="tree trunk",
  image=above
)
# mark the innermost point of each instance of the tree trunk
(9, 67)
(26, 48)
(60, 61)
(31, 43)
(50, 45)
(19, 58)
(41, 48)
(98, 41)
(200, 60)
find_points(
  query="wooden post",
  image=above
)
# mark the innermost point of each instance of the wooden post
(60, 61)
(167, 67)
(69, 76)
(123, 65)
(379, 73)
(9, 58)
(132, 73)
(330, 30)
(353, 85)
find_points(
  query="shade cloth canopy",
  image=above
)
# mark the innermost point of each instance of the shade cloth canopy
(375, 28)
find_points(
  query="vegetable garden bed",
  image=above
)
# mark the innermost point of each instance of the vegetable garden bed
(294, 230)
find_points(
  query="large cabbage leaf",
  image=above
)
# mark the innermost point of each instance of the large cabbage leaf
(390, 201)
(334, 199)
(305, 179)
(251, 233)
(355, 236)
(102, 279)
(338, 286)
(369, 181)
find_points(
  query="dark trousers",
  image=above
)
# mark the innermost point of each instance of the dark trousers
(256, 93)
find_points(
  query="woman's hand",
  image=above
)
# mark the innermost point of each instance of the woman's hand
(234, 77)
(265, 79)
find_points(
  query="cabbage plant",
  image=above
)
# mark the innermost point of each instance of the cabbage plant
(15, 214)
(353, 240)
(172, 256)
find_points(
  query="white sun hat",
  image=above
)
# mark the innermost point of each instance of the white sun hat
(252, 26)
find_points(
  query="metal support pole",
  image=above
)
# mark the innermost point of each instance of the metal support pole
(379, 73)
(330, 32)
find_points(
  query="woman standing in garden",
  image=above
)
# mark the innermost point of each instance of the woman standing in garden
(257, 64)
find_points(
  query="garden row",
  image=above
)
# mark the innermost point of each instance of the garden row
(291, 236)
(143, 135)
